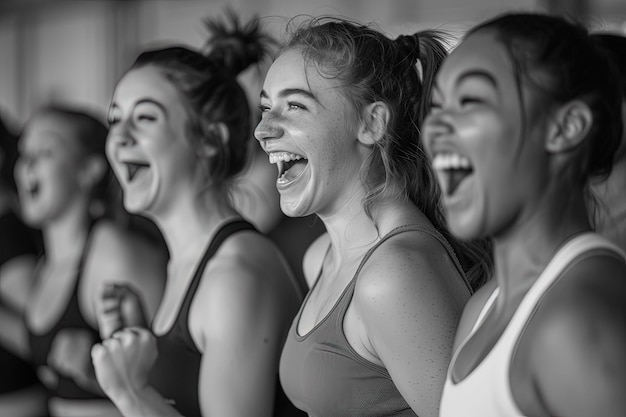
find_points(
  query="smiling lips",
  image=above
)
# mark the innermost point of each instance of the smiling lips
(289, 165)
(452, 169)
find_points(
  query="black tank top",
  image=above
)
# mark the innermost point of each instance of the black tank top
(176, 372)
(57, 384)
(16, 239)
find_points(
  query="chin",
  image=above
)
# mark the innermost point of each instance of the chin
(292, 210)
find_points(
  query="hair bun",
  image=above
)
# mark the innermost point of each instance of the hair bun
(234, 46)
(409, 46)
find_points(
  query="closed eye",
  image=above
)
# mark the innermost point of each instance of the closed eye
(146, 117)
(470, 100)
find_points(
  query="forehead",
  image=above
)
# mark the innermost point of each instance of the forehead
(482, 52)
(145, 82)
(291, 71)
(49, 129)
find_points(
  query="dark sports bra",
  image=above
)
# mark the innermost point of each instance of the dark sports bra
(15, 240)
(57, 384)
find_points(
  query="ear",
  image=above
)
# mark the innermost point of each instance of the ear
(92, 171)
(218, 132)
(375, 118)
(570, 127)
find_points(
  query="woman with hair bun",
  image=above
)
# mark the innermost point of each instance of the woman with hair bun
(179, 126)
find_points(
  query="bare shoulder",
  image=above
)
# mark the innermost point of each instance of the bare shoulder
(248, 281)
(411, 270)
(408, 260)
(591, 295)
(248, 261)
(578, 330)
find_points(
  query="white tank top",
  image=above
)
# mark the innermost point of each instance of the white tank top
(486, 391)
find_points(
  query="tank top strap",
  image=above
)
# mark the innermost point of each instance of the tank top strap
(83, 256)
(346, 297)
(572, 251)
(221, 235)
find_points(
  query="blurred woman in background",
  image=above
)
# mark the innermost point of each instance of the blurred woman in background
(65, 190)
(21, 395)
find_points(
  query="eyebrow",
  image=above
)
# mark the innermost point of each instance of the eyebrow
(292, 91)
(146, 100)
(477, 73)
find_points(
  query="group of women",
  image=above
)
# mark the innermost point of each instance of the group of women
(459, 274)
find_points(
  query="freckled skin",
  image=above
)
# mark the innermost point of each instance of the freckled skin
(317, 130)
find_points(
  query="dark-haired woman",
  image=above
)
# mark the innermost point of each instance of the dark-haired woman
(524, 113)
(180, 124)
(65, 191)
(21, 394)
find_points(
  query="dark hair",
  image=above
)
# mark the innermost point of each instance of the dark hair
(562, 62)
(615, 46)
(370, 67)
(90, 134)
(208, 84)
(8, 156)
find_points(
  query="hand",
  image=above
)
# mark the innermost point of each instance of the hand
(70, 355)
(122, 363)
(121, 307)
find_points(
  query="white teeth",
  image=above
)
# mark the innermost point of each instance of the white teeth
(451, 161)
(276, 157)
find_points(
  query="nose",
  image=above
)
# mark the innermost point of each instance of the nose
(436, 125)
(268, 128)
(120, 135)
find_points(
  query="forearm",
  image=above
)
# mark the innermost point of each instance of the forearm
(146, 402)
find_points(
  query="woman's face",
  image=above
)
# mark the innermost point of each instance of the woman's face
(147, 144)
(309, 131)
(486, 147)
(48, 169)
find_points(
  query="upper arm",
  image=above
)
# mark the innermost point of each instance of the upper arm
(410, 302)
(578, 338)
(313, 258)
(118, 256)
(16, 279)
(242, 321)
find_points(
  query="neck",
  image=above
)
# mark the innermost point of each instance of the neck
(188, 225)
(65, 237)
(352, 232)
(524, 250)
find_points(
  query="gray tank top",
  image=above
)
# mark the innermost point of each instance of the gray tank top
(324, 376)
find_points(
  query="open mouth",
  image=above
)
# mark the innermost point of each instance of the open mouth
(133, 168)
(452, 169)
(289, 165)
(33, 189)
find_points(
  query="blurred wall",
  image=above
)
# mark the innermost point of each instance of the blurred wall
(73, 51)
